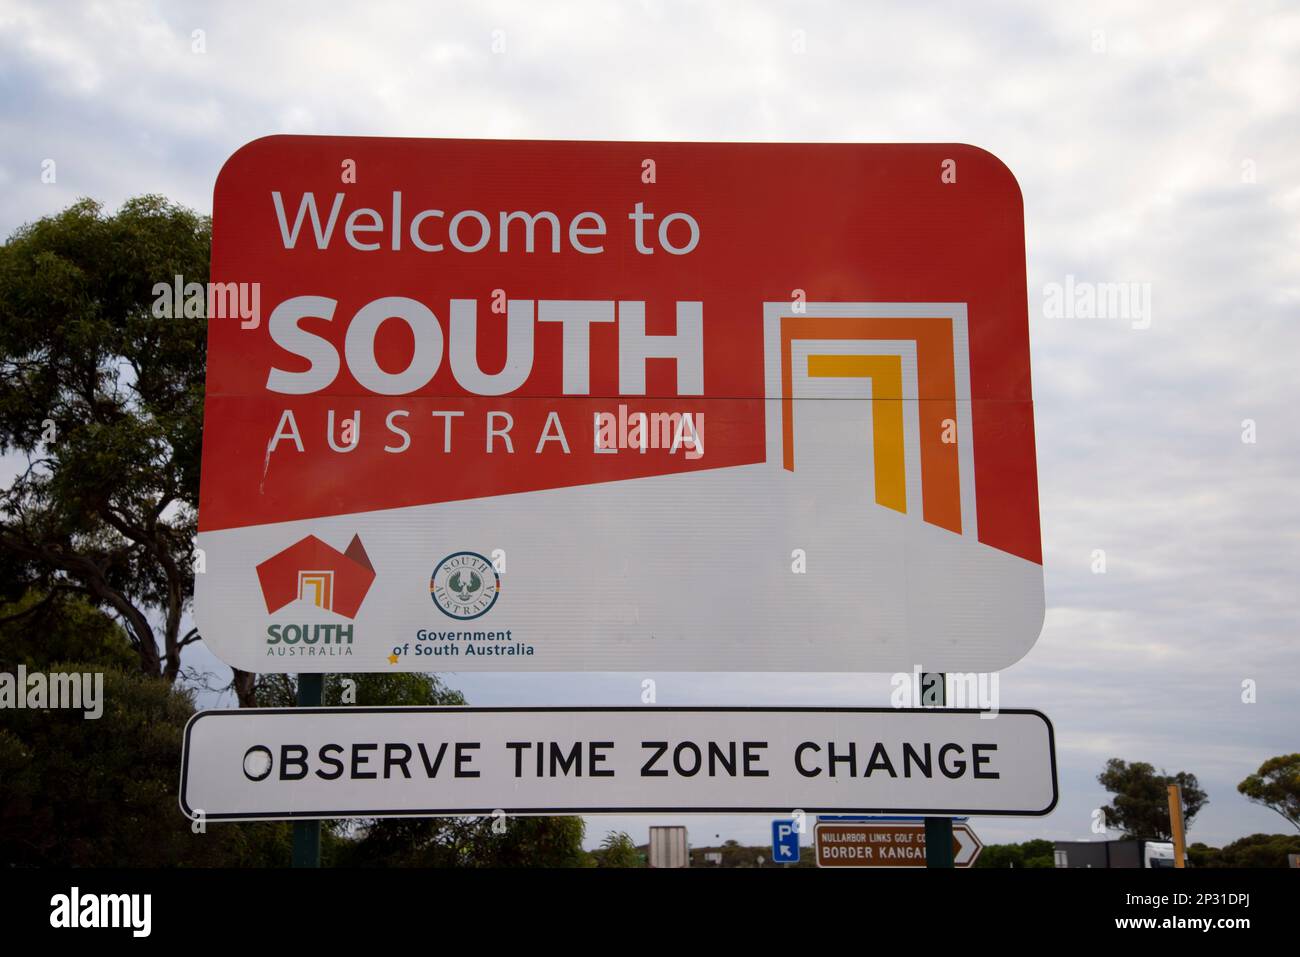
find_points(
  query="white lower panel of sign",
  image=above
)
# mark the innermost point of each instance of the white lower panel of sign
(272, 764)
(740, 569)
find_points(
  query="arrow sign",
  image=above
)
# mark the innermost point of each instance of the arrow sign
(887, 845)
(968, 846)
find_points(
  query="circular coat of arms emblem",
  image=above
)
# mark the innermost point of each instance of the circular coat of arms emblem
(464, 585)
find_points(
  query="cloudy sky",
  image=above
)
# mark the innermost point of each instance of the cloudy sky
(1158, 145)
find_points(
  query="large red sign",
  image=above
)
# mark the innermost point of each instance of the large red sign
(813, 354)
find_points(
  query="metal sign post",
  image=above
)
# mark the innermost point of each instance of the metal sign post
(938, 830)
(306, 834)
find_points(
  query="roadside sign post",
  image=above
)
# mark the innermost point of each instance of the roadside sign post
(306, 834)
(938, 842)
(938, 830)
(1176, 824)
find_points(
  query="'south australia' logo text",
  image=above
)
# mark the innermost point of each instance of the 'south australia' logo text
(464, 585)
(314, 573)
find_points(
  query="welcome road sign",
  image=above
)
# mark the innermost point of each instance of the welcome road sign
(271, 764)
(492, 405)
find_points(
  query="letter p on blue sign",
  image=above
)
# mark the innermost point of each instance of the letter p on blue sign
(785, 842)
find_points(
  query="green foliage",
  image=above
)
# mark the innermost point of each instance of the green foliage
(534, 842)
(1039, 853)
(734, 854)
(105, 402)
(372, 690)
(38, 629)
(1140, 807)
(618, 850)
(1001, 855)
(100, 793)
(1257, 850)
(1036, 853)
(1276, 785)
(1202, 855)
(467, 842)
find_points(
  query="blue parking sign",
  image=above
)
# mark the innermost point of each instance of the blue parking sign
(785, 842)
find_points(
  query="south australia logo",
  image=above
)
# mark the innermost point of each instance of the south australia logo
(313, 572)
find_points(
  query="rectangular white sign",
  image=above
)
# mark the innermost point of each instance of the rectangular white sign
(276, 764)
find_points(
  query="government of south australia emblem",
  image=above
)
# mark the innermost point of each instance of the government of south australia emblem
(464, 585)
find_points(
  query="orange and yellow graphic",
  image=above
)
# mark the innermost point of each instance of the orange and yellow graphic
(317, 588)
(935, 399)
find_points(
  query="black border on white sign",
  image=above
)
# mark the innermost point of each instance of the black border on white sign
(557, 812)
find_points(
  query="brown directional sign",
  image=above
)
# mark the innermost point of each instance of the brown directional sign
(887, 844)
